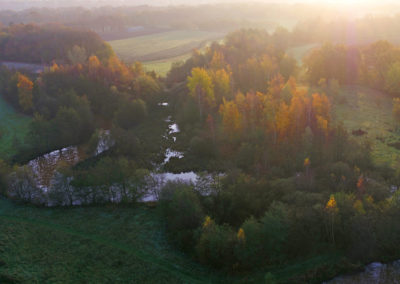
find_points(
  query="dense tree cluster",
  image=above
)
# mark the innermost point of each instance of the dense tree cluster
(47, 43)
(295, 182)
(376, 65)
(69, 101)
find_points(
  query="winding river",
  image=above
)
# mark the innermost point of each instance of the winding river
(45, 167)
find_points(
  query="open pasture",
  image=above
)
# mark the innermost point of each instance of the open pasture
(371, 111)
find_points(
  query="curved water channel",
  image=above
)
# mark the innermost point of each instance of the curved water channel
(45, 167)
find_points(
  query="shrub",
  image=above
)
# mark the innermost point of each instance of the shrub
(182, 210)
(216, 245)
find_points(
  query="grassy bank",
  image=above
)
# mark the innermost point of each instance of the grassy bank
(13, 129)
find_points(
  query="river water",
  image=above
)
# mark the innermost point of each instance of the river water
(374, 273)
(45, 167)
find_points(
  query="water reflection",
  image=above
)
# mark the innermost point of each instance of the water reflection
(44, 167)
(45, 170)
(375, 273)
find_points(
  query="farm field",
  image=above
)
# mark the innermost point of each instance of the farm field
(13, 128)
(161, 49)
(371, 111)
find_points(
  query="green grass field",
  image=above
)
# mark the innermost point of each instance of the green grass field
(371, 111)
(110, 245)
(13, 127)
(161, 45)
(158, 51)
(90, 245)
(299, 52)
(162, 67)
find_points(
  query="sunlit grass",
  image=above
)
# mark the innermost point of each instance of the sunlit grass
(371, 111)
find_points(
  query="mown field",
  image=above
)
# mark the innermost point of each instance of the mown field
(13, 129)
(371, 111)
(159, 50)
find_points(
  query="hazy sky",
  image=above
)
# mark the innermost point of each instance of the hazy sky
(23, 4)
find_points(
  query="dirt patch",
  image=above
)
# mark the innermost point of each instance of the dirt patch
(359, 132)
(395, 145)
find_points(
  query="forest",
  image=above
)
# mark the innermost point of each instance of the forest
(242, 164)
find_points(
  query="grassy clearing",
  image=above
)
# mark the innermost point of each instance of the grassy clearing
(13, 128)
(162, 67)
(299, 52)
(90, 245)
(160, 46)
(371, 111)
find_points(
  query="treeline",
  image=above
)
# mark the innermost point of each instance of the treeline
(349, 31)
(218, 17)
(50, 43)
(376, 65)
(252, 56)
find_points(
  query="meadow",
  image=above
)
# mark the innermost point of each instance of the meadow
(298, 52)
(13, 129)
(371, 111)
(159, 50)
(114, 244)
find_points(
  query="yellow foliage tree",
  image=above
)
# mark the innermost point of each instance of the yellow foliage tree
(207, 222)
(25, 95)
(217, 61)
(241, 236)
(332, 209)
(231, 118)
(201, 87)
(222, 84)
(282, 121)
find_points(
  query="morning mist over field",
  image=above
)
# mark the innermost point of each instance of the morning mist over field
(173, 141)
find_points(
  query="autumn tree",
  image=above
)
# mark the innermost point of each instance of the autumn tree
(218, 61)
(25, 96)
(332, 209)
(77, 55)
(94, 64)
(222, 84)
(231, 118)
(201, 87)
